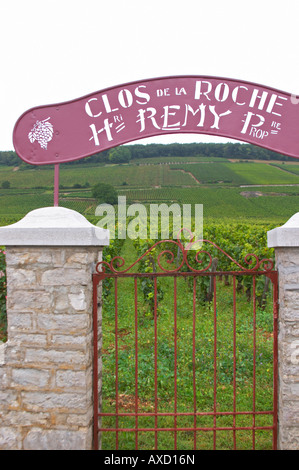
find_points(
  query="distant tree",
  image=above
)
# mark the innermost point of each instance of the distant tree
(104, 193)
(5, 184)
(119, 155)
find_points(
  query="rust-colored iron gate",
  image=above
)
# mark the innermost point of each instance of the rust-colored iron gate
(188, 354)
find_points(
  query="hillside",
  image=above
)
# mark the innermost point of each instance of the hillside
(228, 188)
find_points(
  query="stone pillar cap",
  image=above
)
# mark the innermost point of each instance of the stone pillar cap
(53, 226)
(286, 235)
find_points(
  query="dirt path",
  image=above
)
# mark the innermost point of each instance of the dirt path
(188, 173)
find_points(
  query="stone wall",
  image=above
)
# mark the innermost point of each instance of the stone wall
(285, 240)
(46, 365)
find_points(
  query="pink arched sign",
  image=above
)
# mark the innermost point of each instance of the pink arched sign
(240, 110)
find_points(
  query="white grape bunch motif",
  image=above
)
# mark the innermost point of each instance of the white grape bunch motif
(42, 131)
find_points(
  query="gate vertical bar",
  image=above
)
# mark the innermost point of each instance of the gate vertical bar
(194, 361)
(215, 361)
(116, 362)
(95, 364)
(156, 363)
(235, 359)
(175, 358)
(254, 362)
(136, 362)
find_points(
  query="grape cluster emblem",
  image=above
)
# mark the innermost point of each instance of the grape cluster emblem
(42, 131)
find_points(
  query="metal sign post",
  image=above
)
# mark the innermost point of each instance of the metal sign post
(56, 184)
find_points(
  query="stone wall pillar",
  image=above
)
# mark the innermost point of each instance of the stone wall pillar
(285, 240)
(46, 365)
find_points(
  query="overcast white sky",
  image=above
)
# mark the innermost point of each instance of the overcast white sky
(56, 50)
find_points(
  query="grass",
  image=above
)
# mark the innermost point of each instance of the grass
(132, 175)
(205, 334)
(223, 203)
(288, 167)
(262, 173)
(218, 202)
(170, 160)
(234, 173)
(146, 183)
(213, 173)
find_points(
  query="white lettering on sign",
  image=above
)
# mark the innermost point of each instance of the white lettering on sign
(189, 109)
(277, 127)
(95, 132)
(199, 92)
(235, 93)
(180, 91)
(166, 115)
(141, 116)
(217, 116)
(222, 92)
(207, 105)
(164, 92)
(152, 119)
(94, 107)
(255, 120)
(141, 94)
(88, 109)
(125, 98)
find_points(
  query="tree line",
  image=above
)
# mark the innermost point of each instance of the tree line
(127, 153)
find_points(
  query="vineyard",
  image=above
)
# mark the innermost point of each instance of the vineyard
(238, 240)
(240, 173)
(241, 202)
(260, 192)
(236, 218)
